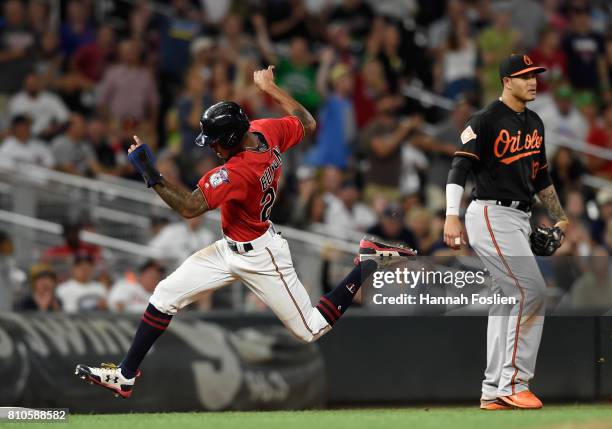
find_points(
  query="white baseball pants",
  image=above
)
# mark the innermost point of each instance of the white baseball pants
(500, 237)
(267, 270)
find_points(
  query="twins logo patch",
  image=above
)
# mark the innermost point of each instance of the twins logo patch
(467, 135)
(219, 178)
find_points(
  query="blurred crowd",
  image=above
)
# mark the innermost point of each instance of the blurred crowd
(80, 78)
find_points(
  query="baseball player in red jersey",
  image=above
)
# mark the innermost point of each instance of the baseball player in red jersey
(245, 189)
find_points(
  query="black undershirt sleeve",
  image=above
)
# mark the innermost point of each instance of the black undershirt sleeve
(542, 179)
(460, 168)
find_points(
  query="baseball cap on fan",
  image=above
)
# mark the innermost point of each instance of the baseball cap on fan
(516, 65)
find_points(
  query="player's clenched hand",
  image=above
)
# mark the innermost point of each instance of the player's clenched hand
(264, 79)
(134, 145)
(453, 232)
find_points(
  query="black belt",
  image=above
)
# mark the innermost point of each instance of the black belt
(519, 205)
(247, 247)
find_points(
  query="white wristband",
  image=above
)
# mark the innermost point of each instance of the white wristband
(454, 193)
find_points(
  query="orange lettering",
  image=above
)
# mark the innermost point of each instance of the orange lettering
(516, 143)
(502, 138)
(535, 166)
(511, 145)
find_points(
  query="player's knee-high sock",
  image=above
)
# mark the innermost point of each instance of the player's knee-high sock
(333, 304)
(152, 325)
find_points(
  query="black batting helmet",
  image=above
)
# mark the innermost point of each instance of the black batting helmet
(224, 123)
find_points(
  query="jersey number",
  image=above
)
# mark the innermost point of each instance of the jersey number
(267, 201)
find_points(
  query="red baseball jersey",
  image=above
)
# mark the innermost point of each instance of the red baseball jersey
(245, 187)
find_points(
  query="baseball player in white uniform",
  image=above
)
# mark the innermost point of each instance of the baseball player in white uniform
(245, 189)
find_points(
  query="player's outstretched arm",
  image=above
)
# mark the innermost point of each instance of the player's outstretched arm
(186, 204)
(183, 202)
(550, 200)
(264, 79)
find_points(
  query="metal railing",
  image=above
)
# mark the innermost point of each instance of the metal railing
(31, 196)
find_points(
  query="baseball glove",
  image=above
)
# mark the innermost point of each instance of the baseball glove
(545, 241)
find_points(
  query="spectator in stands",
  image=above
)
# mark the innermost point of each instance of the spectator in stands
(391, 227)
(49, 59)
(381, 142)
(39, 16)
(77, 30)
(73, 153)
(234, 43)
(593, 289)
(77, 90)
(370, 87)
(295, 73)
(286, 19)
(455, 68)
(562, 119)
(195, 99)
(554, 17)
(176, 31)
(587, 105)
(62, 256)
(609, 58)
(608, 237)
(131, 294)
(17, 42)
(337, 130)
(440, 29)
(420, 223)
(20, 147)
(496, 42)
(222, 85)
(11, 277)
(81, 293)
(577, 241)
(204, 52)
(308, 206)
(598, 226)
(92, 59)
(355, 15)
(143, 29)
(345, 213)
(585, 52)
(331, 180)
(43, 284)
(128, 90)
(446, 140)
(338, 40)
(178, 240)
(566, 171)
(387, 48)
(575, 206)
(438, 248)
(107, 158)
(549, 54)
(530, 17)
(601, 137)
(48, 112)
(414, 161)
